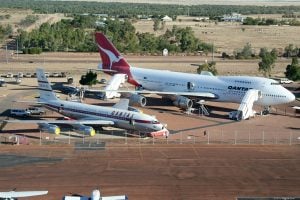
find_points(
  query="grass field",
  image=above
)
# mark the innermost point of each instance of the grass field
(230, 36)
(211, 2)
(19, 14)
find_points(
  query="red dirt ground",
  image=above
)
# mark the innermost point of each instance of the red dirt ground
(159, 172)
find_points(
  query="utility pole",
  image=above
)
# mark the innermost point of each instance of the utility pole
(212, 53)
(6, 54)
(17, 47)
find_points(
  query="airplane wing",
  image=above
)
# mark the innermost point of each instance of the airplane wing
(296, 107)
(190, 94)
(14, 194)
(121, 197)
(71, 122)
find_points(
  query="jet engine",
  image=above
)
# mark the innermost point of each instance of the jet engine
(49, 128)
(137, 100)
(183, 102)
(86, 130)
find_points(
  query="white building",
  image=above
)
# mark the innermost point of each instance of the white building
(234, 17)
(166, 19)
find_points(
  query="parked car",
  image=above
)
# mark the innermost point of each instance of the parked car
(19, 112)
(55, 74)
(103, 81)
(20, 74)
(9, 75)
(47, 74)
(63, 74)
(70, 80)
(2, 82)
(35, 111)
(27, 75)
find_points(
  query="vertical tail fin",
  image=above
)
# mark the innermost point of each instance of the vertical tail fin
(45, 90)
(111, 58)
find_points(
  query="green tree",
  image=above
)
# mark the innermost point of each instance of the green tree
(156, 24)
(245, 53)
(267, 61)
(208, 66)
(291, 51)
(90, 78)
(293, 70)
(148, 42)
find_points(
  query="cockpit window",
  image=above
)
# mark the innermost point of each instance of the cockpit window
(155, 122)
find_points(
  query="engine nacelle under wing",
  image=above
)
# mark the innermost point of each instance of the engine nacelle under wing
(183, 102)
(49, 128)
(86, 130)
(137, 100)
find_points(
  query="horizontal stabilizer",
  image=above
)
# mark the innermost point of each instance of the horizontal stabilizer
(71, 122)
(122, 104)
(32, 102)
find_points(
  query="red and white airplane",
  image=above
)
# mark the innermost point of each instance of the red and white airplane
(184, 88)
(86, 115)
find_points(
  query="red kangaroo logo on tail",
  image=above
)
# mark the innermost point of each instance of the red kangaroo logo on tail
(112, 59)
(111, 56)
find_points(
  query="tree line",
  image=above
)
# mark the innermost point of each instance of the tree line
(133, 9)
(5, 31)
(73, 35)
(268, 22)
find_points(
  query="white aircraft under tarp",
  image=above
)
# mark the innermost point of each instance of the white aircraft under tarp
(96, 196)
(13, 195)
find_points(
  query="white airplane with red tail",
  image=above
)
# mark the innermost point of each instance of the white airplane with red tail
(85, 115)
(183, 88)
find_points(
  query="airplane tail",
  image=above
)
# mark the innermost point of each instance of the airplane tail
(112, 61)
(44, 87)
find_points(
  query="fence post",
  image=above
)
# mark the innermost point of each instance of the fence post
(249, 137)
(235, 133)
(207, 137)
(69, 137)
(291, 134)
(40, 137)
(222, 134)
(125, 137)
(139, 138)
(168, 140)
(263, 137)
(152, 140)
(180, 137)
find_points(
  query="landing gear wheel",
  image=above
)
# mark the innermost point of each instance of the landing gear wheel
(266, 110)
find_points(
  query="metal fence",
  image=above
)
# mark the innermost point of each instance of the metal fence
(210, 137)
(237, 137)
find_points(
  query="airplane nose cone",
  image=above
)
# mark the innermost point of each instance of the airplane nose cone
(292, 97)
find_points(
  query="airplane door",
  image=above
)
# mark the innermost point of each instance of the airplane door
(61, 108)
(190, 86)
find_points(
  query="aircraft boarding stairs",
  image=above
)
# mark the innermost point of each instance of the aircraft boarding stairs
(114, 84)
(245, 110)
